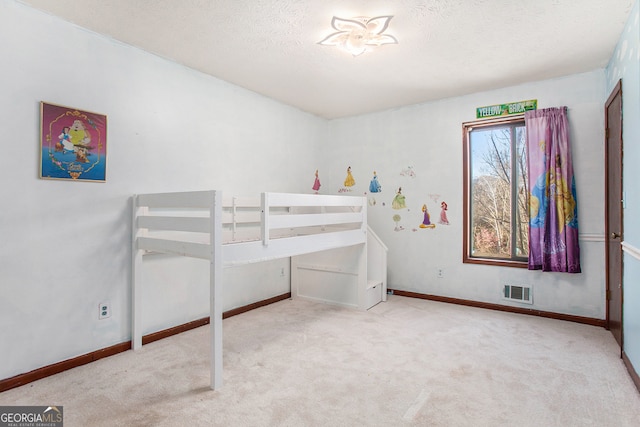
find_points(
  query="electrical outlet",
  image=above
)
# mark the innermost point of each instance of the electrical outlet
(440, 273)
(104, 310)
(282, 272)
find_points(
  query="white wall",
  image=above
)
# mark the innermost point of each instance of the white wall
(428, 137)
(625, 65)
(65, 246)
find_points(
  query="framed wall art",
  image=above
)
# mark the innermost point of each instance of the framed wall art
(73, 144)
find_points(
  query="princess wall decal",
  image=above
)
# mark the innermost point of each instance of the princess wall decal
(443, 213)
(349, 181)
(426, 222)
(316, 183)
(399, 200)
(374, 185)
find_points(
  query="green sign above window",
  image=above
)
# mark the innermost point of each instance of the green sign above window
(506, 109)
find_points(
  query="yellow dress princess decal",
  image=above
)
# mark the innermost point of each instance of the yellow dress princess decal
(349, 181)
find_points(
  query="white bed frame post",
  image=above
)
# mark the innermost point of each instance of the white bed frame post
(215, 289)
(362, 263)
(234, 217)
(136, 279)
(265, 218)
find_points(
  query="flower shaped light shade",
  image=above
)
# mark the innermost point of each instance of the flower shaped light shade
(357, 35)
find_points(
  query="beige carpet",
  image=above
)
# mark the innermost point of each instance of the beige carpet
(404, 362)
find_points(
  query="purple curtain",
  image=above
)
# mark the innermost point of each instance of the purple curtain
(553, 209)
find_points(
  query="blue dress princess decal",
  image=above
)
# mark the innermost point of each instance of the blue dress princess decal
(374, 186)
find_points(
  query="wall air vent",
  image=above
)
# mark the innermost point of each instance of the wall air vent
(518, 293)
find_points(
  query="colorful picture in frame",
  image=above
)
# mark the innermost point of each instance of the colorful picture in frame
(73, 144)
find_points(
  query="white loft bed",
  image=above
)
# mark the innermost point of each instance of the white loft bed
(238, 230)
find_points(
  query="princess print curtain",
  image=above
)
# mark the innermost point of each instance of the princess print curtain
(553, 208)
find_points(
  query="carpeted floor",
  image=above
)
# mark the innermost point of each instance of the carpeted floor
(406, 362)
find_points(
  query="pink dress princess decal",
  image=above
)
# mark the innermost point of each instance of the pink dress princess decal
(316, 183)
(443, 214)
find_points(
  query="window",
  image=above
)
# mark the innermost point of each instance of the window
(495, 192)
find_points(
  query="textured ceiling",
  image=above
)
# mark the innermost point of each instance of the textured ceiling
(446, 47)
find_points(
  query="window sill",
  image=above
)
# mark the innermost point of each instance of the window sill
(496, 262)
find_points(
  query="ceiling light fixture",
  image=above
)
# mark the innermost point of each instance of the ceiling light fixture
(358, 35)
